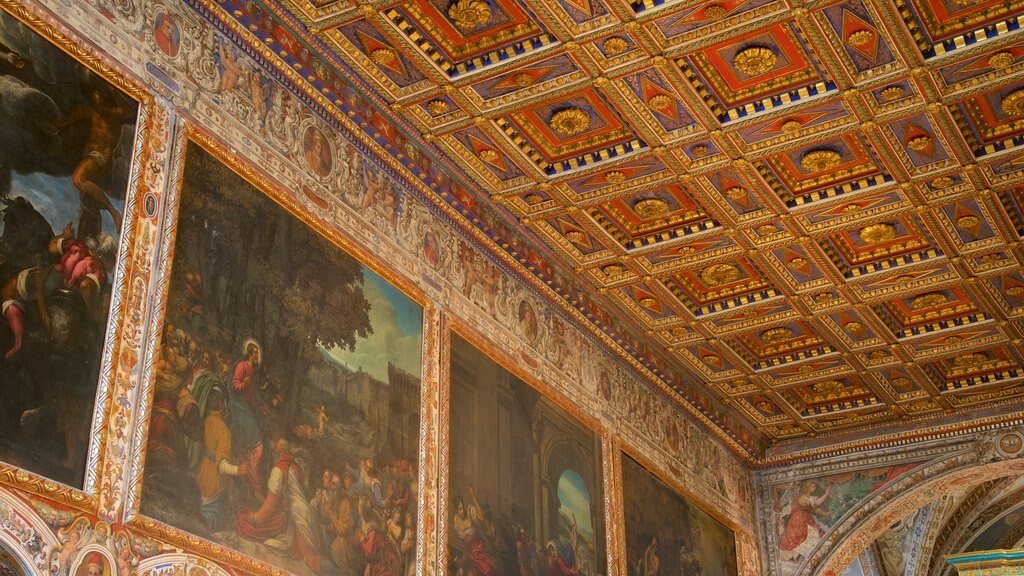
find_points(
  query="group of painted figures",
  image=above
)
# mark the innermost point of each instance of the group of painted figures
(260, 482)
(491, 545)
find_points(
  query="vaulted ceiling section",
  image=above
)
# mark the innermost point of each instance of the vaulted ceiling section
(805, 217)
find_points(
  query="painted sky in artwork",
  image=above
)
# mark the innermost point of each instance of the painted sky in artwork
(397, 332)
(575, 500)
(56, 198)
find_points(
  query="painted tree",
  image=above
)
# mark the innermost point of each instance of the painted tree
(246, 268)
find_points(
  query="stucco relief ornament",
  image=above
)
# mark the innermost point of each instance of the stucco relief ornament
(615, 45)
(659, 101)
(570, 121)
(877, 233)
(928, 300)
(776, 335)
(860, 37)
(650, 207)
(382, 56)
(469, 14)
(892, 93)
(718, 274)
(1013, 103)
(755, 60)
(437, 107)
(1000, 60)
(820, 160)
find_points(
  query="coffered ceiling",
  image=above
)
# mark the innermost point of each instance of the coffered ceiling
(812, 210)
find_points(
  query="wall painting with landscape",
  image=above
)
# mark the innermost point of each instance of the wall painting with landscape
(67, 139)
(666, 534)
(524, 477)
(285, 416)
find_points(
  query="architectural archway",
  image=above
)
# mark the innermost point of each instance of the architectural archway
(991, 457)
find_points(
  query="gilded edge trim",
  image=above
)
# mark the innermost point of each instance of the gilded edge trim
(452, 325)
(188, 134)
(85, 54)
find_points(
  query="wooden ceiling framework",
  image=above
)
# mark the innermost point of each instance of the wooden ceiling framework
(814, 209)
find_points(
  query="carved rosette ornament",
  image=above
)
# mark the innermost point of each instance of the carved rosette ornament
(523, 79)
(776, 335)
(488, 155)
(877, 233)
(791, 126)
(469, 14)
(615, 45)
(892, 93)
(860, 37)
(1000, 60)
(613, 269)
(533, 199)
(614, 177)
(651, 207)
(437, 107)
(919, 143)
(820, 160)
(755, 60)
(659, 101)
(928, 300)
(1013, 103)
(649, 303)
(570, 121)
(575, 236)
(718, 274)
(382, 56)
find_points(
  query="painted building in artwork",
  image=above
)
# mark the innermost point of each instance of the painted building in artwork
(494, 287)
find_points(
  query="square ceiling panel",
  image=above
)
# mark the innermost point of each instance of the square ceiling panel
(974, 369)
(941, 26)
(718, 287)
(778, 345)
(831, 396)
(915, 314)
(570, 132)
(993, 120)
(756, 71)
(468, 35)
(879, 246)
(651, 217)
(823, 169)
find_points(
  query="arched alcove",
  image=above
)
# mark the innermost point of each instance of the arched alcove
(867, 522)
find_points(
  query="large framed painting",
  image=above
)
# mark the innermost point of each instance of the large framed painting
(286, 388)
(525, 475)
(68, 143)
(668, 534)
